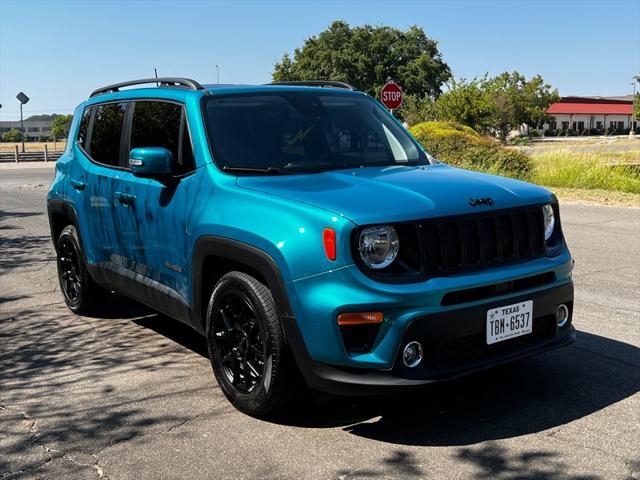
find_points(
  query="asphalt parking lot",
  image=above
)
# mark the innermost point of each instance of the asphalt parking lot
(131, 395)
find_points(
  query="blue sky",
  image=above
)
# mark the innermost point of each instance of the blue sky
(58, 51)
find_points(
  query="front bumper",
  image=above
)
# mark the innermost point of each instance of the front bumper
(454, 346)
(453, 336)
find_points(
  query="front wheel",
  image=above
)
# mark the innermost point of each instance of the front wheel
(246, 346)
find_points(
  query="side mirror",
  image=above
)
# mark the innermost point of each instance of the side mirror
(150, 161)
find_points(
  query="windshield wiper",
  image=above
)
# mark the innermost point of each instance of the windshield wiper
(263, 171)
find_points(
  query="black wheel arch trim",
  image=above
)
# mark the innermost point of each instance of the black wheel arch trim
(242, 253)
(264, 264)
(60, 207)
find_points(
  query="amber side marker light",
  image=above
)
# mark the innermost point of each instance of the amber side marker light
(329, 240)
(360, 318)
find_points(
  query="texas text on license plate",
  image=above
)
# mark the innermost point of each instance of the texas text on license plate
(509, 321)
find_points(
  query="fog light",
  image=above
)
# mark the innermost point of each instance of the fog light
(562, 315)
(412, 354)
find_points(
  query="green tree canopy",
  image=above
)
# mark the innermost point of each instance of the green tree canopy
(61, 125)
(366, 57)
(492, 105)
(467, 103)
(518, 101)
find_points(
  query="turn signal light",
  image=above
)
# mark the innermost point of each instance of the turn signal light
(329, 240)
(361, 318)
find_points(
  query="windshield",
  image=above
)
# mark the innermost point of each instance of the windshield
(305, 132)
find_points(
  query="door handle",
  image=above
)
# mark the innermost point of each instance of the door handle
(77, 184)
(125, 198)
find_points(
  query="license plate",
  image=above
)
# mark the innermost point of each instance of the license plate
(509, 321)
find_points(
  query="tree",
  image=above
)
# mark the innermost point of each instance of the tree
(517, 101)
(497, 105)
(417, 109)
(366, 57)
(466, 102)
(61, 125)
(12, 135)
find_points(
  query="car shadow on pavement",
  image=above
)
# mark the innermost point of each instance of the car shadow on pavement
(528, 396)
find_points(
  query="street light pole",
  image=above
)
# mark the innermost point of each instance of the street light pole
(22, 98)
(218, 68)
(21, 128)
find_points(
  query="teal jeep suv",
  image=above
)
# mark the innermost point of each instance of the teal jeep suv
(307, 235)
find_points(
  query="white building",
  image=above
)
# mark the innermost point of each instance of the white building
(33, 129)
(593, 114)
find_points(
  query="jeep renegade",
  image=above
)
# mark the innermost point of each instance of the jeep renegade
(305, 233)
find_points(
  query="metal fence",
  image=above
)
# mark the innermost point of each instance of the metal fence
(18, 157)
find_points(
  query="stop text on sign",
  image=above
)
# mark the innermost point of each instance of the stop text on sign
(391, 96)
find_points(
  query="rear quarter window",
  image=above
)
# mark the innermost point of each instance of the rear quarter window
(83, 131)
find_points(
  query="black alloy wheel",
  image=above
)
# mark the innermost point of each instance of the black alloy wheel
(69, 270)
(238, 344)
(81, 293)
(247, 349)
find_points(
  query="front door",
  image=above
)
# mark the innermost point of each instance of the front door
(153, 211)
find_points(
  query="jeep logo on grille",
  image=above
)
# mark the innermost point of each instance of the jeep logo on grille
(476, 202)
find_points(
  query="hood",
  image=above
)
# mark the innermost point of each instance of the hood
(399, 193)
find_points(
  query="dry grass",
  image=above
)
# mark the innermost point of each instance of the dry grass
(583, 171)
(32, 146)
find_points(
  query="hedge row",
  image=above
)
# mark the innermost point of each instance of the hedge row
(462, 146)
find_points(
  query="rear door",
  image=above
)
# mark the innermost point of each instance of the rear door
(100, 147)
(155, 220)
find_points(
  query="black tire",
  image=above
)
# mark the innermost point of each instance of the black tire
(242, 321)
(81, 293)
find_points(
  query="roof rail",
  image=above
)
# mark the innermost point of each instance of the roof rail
(162, 82)
(316, 83)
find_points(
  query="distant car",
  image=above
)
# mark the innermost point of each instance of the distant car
(307, 235)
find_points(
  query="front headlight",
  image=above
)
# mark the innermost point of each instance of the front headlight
(378, 246)
(549, 221)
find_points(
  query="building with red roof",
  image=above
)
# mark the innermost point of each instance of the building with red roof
(593, 114)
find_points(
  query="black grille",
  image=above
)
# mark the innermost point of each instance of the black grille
(454, 244)
(474, 348)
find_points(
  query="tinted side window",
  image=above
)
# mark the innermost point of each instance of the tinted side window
(156, 124)
(106, 133)
(83, 131)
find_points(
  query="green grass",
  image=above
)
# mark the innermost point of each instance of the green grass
(582, 171)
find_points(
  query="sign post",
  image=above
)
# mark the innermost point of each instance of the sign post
(391, 96)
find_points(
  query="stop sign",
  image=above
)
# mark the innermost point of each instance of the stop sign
(391, 95)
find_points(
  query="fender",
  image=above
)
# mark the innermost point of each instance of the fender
(264, 264)
(244, 254)
(57, 206)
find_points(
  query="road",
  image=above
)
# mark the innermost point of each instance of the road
(131, 395)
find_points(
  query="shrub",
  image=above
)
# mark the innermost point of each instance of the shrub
(550, 133)
(534, 133)
(464, 147)
(12, 135)
(519, 140)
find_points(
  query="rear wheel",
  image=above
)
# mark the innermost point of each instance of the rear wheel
(246, 346)
(81, 293)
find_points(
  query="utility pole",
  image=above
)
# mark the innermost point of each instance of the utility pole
(632, 132)
(218, 68)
